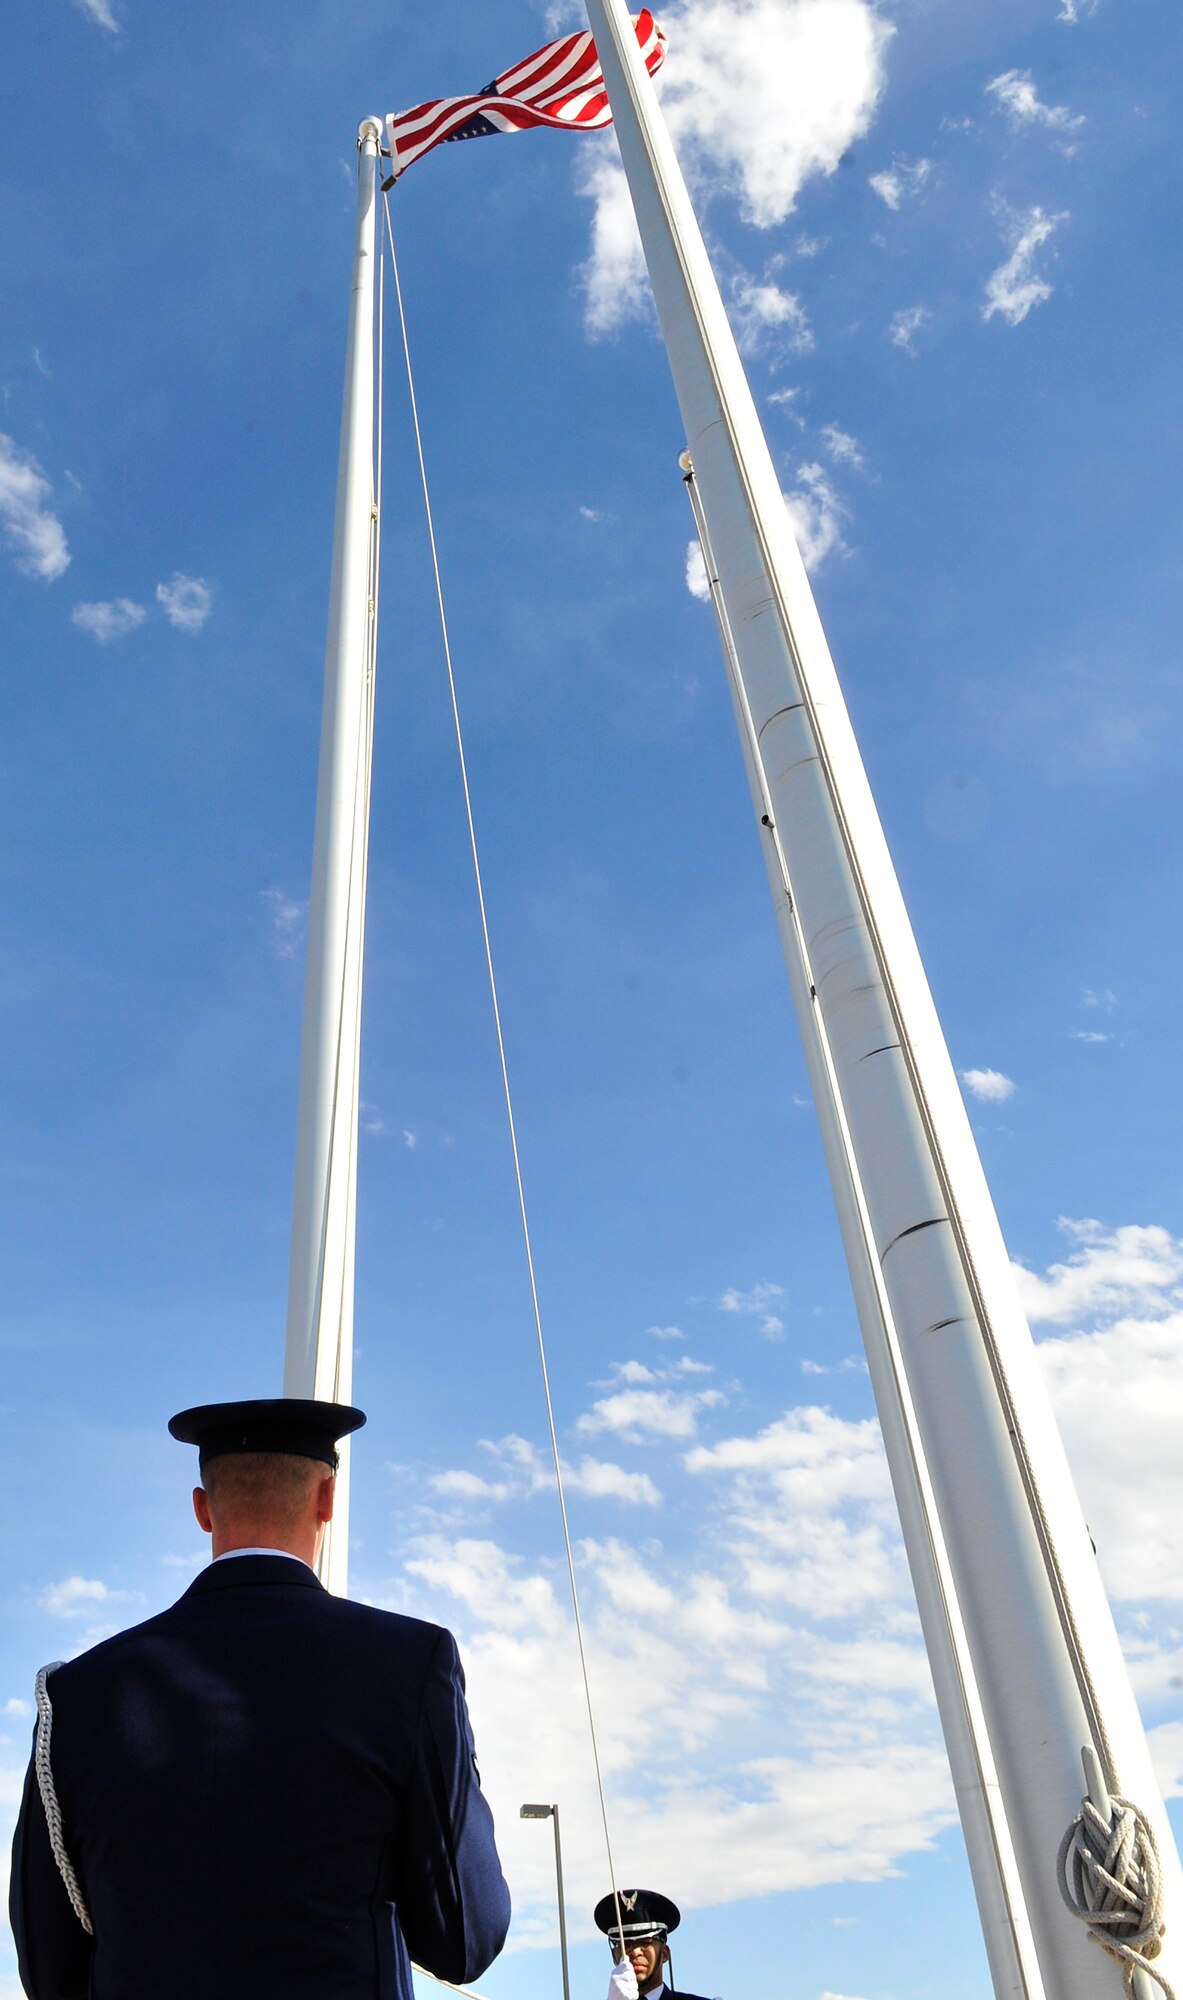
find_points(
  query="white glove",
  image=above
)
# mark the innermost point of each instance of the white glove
(623, 1983)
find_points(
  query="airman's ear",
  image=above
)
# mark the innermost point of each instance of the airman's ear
(201, 1509)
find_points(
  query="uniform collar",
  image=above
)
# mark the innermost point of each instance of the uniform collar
(247, 1570)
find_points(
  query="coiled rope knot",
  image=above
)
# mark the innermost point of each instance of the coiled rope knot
(1110, 1877)
(49, 1797)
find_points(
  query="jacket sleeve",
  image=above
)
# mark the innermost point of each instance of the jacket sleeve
(53, 1951)
(451, 1897)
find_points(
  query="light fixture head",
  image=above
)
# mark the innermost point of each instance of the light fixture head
(537, 1812)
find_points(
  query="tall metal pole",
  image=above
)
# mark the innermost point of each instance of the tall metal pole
(319, 1352)
(1048, 1676)
(562, 1905)
(552, 1812)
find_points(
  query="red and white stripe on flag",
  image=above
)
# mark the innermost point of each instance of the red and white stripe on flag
(561, 85)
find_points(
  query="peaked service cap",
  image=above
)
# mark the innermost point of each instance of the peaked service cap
(277, 1423)
(642, 1913)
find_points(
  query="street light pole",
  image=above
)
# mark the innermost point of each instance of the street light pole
(552, 1812)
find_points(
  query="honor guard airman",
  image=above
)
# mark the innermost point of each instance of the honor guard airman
(267, 1792)
(638, 1933)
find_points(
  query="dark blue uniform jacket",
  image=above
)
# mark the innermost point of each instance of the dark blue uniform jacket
(268, 1793)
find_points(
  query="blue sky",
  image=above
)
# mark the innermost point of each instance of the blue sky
(945, 233)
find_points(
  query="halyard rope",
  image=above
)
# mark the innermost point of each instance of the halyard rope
(1110, 1877)
(49, 1797)
(508, 1094)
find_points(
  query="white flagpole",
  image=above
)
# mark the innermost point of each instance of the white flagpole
(319, 1355)
(937, 1303)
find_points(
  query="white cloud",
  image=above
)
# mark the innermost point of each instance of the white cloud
(99, 11)
(1089, 1035)
(1015, 94)
(775, 1656)
(901, 180)
(614, 277)
(634, 1372)
(990, 1086)
(17, 1708)
(29, 527)
(410, 1139)
(486, 1579)
(596, 514)
(758, 1301)
(905, 325)
(1014, 288)
(460, 1485)
(760, 96)
(1071, 10)
(187, 601)
(666, 1332)
(635, 1414)
(77, 1597)
(843, 449)
(1103, 998)
(816, 515)
(106, 622)
(288, 917)
(599, 1479)
(522, 1471)
(697, 581)
(786, 399)
(1134, 1268)
(1166, 1748)
(1118, 1397)
(771, 92)
(760, 310)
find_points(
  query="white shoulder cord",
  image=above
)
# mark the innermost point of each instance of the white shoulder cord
(49, 1797)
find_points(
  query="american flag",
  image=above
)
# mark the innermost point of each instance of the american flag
(561, 85)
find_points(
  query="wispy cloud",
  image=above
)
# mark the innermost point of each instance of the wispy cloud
(786, 400)
(1073, 10)
(758, 1302)
(1015, 95)
(989, 1086)
(905, 325)
(187, 601)
(764, 314)
(288, 917)
(101, 13)
(30, 528)
(105, 622)
(901, 181)
(1101, 997)
(1014, 288)
(765, 94)
(843, 449)
(817, 515)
